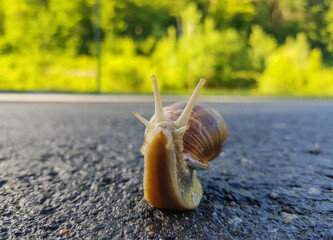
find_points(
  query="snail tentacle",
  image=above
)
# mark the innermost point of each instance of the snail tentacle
(181, 131)
(159, 115)
(195, 164)
(185, 116)
(142, 119)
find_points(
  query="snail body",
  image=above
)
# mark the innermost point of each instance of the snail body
(179, 139)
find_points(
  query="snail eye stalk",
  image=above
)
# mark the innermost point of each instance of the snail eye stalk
(159, 115)
(142, 119)
(185, 116)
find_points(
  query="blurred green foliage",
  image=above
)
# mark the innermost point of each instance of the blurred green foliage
(282, 47)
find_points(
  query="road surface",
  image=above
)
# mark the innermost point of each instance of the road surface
(75, 171)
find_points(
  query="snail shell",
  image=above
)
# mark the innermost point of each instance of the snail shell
(205, 137)
(178, 139)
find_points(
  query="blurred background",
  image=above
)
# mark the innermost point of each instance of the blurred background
(260, 47)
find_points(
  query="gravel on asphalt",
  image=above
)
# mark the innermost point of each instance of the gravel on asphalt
(76, 171)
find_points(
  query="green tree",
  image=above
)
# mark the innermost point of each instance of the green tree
(328, 40)
(262, 45)
(296, 69)
(201, 51)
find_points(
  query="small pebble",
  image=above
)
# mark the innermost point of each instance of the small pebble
(64, 230)
(233, 204)
(288, 217)
(313, 191)
(245, 160)
(235, 221)
(273, 195)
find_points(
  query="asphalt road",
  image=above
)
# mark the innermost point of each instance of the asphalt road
(75, 171)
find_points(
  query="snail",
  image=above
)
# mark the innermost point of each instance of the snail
(179, 139)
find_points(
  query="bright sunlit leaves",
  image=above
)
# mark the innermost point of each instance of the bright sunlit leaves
(272, 47)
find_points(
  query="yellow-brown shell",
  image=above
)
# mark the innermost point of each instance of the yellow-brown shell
(206, 135)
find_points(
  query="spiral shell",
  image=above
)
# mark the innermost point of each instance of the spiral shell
(206, 135)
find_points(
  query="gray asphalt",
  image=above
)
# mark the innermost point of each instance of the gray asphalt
(75, 171)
